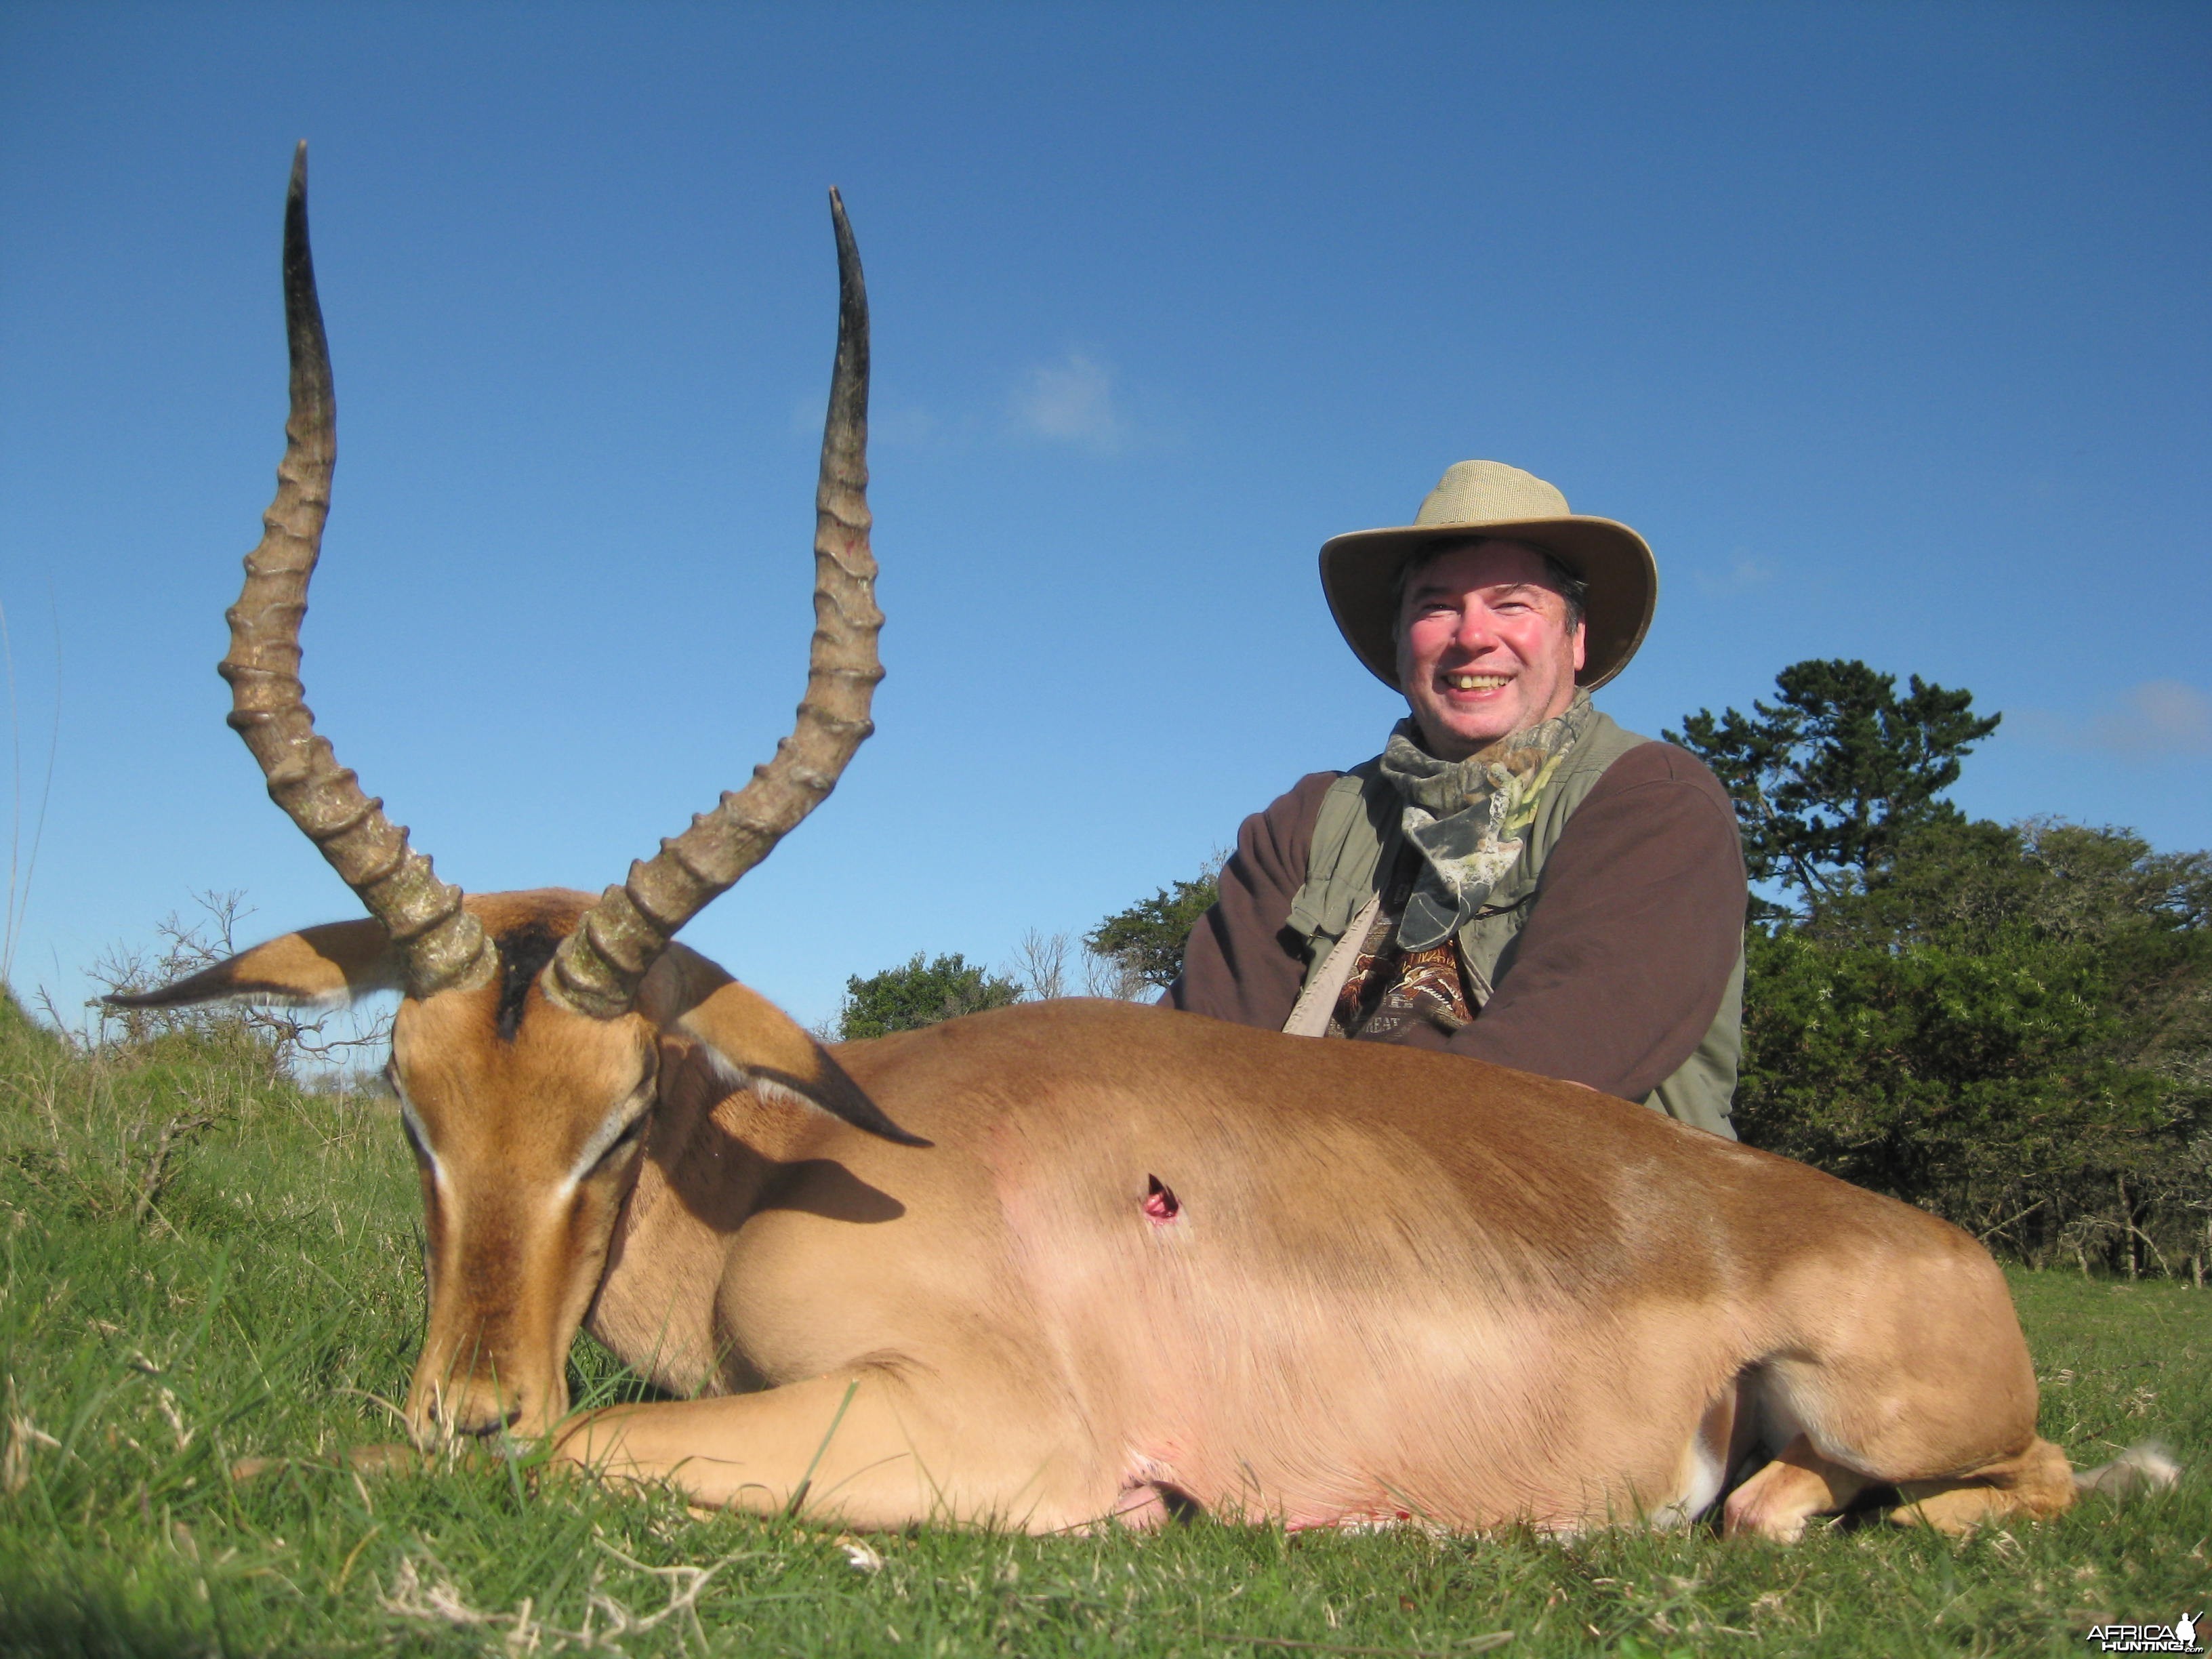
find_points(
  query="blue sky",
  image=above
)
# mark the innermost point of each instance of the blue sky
(1884, 324)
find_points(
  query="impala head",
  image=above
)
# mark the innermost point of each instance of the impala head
(526, 1048)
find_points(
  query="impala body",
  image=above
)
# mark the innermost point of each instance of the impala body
(1150, 1261)
(1075, 1261)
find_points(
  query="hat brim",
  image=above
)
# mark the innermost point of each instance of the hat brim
(1359, 574)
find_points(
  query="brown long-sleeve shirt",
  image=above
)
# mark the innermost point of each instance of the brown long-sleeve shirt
(1637, 922)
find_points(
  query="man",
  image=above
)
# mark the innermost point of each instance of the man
(1515, 878)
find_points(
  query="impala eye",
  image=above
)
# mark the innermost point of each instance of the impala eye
(633, 1132)
(406, 1117)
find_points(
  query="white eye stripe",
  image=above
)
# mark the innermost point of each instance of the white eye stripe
(615, 1126)
(611, 1129)
(415, 1129)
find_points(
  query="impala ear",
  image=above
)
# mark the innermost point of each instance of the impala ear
(325, 967)
(754, 1043)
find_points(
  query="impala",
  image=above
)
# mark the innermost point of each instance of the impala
(1076, 1260)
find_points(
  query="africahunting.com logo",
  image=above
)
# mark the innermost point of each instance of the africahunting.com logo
(2179, 1637)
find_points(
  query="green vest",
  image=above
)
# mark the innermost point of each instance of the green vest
(1357, 837)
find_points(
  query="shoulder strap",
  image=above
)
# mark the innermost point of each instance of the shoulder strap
(1309, 1016)
(1341, 858)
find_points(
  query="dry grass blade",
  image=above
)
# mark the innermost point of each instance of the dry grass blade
(175, 1133)
(685, 1585)
(15, 1462)
(1497, 1638)
(439, 1601)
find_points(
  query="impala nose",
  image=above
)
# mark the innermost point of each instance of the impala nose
(471, 1408)
(483, 1425)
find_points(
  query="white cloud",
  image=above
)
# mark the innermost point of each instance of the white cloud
(2156, 718)
(2161, 714)
(906, 424)
(1071, 402)
(1745, 575)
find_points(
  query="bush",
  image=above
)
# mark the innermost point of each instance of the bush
(1962, 1081)
(918, 993)
(2010, 1026)
(1145, 941)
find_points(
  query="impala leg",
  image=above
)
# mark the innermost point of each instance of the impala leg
(1775, 1503)
(860, 1445)
(2036, 1485)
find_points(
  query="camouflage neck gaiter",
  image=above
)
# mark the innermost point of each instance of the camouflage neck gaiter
(1466, 817)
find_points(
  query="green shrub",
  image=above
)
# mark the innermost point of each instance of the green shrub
(920, 993)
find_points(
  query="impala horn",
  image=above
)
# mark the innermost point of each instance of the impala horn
(599, 967)
(440, 946)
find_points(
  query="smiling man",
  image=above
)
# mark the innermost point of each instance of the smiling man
(1515, 878)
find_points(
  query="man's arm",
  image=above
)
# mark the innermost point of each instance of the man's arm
(1237, 966)
(1635, 929)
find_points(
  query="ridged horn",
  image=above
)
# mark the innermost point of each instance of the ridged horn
(442, 947)
(598, 967)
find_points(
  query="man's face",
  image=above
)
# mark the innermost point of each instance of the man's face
(1484, 647)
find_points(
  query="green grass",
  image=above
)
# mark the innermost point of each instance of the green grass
(200, 1263)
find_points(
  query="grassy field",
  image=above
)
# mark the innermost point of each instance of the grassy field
(202, 1263)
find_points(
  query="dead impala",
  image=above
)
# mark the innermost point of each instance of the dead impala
(1077, 1259)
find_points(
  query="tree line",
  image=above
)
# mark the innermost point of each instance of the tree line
(2007, 1024)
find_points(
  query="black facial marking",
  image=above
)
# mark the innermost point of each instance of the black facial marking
(524, 952)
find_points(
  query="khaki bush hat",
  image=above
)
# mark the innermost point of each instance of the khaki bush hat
(1475, 499)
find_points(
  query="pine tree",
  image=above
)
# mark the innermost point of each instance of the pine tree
(1830, 777)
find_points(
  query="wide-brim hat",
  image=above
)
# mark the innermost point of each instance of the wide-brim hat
(1481, 499)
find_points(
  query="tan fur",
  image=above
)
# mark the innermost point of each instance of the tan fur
(1394, 1284)
(512, 1269)
(2037, 1484)
(1775, 1503)
(335, 963)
